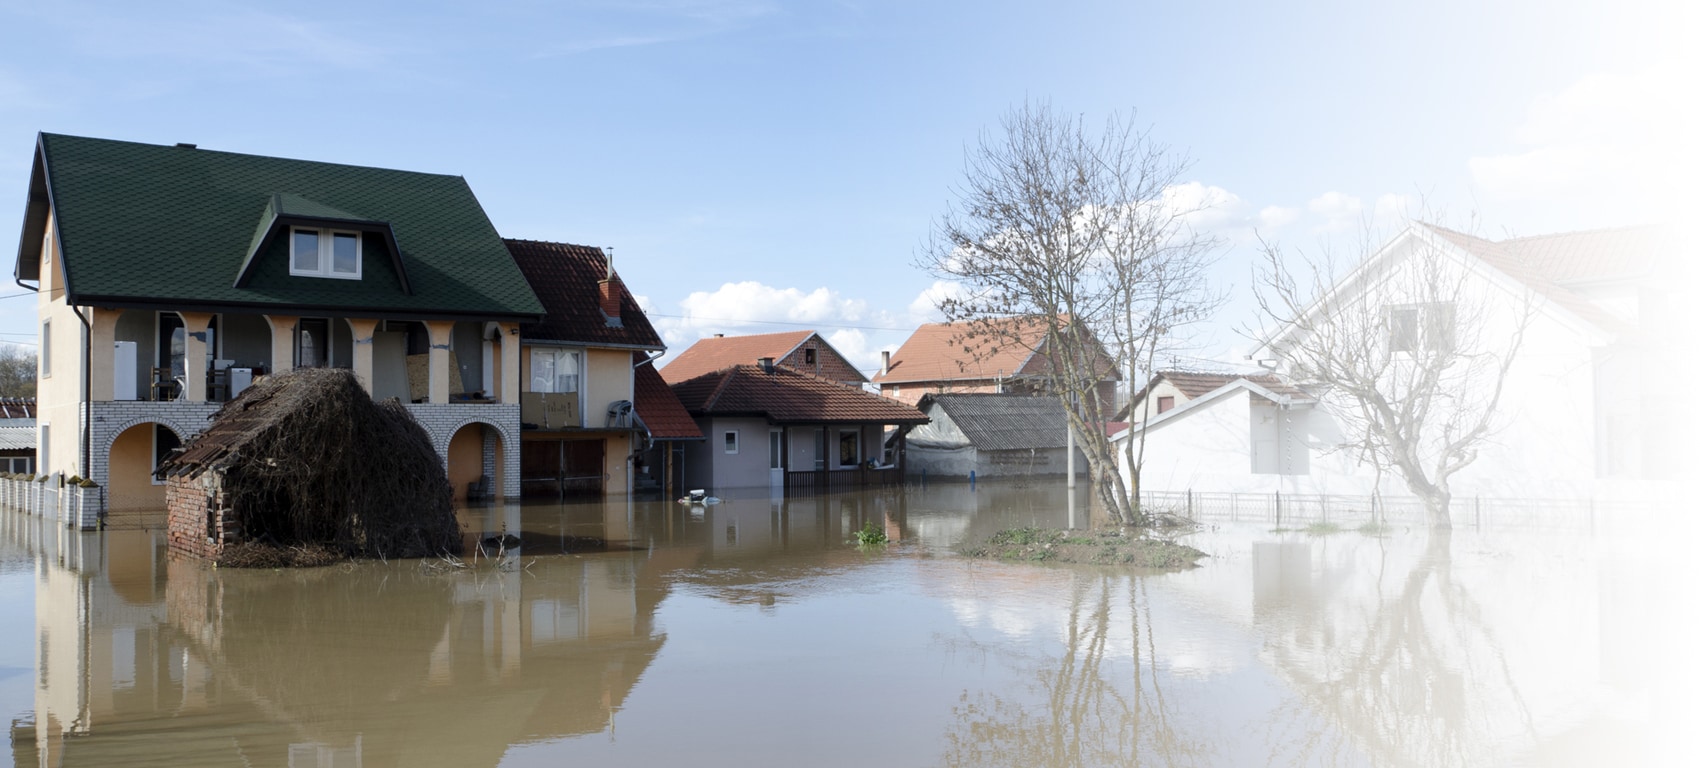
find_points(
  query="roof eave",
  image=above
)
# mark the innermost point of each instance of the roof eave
(38, 205)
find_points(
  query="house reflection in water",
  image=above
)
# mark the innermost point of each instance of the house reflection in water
(147, 657)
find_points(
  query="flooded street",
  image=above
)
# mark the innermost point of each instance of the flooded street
(754, 632)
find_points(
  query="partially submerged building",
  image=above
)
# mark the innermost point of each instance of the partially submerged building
(771, 426)
(169, 278)
(991, 435)
(306, 457)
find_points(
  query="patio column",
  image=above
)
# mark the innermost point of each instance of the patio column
(363, 330)
(509, 350)
(440, 331)
(103, 331)
(283, 342)
(194, 355)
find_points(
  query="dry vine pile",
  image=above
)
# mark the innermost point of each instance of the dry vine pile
(306, 457)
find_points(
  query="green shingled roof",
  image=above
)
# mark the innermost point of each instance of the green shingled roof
(144, 224)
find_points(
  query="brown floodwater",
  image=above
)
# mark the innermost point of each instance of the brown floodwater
(756, 633)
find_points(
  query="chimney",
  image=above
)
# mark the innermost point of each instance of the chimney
(766, 364)
(608, 293)
(885, 362)
(720, 335)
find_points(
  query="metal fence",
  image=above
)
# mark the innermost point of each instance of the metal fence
(1299, 510)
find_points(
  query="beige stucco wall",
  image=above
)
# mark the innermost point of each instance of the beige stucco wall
(129, 476)
(466, 458)
(608, 378)
(59, 390)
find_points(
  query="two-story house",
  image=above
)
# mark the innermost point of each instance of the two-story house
(804, 351)
(1005, 356)
(585, 414)
(168, 277)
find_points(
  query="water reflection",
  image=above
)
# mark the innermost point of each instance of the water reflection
(754, 632)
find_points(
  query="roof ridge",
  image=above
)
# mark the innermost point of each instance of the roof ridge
(198, 148)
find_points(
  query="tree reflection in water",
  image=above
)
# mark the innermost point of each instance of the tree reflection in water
(1100, 702)
(1407, 666)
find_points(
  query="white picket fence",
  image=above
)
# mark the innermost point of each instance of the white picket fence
(49, 496)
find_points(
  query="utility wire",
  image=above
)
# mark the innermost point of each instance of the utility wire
(782, 322)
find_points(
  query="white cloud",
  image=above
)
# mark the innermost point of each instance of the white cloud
(1276, 216)
(1204, 207)
(1609, 139)
(753, 307)
(925, 307)
(1338, 210)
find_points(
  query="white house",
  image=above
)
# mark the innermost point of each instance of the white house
(1589, 405)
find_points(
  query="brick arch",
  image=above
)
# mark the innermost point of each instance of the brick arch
(507, 470)
(508, 441)
(111, 437)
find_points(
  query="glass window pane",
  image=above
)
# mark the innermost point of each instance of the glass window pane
(304, 246)
(344, 254)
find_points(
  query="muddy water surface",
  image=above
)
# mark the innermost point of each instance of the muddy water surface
(755, 633)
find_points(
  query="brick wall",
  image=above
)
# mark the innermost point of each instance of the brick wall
(189, 503)
(828, 364)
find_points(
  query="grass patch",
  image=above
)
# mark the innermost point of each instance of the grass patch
(870, 536)
(1375, 529)
(1322, 529)
(1101, 547)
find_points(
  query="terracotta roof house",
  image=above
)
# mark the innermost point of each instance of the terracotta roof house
(591, 401)
(1581, 415)
(804, 351)
(771, 426)
(991, 435)
(1168, 389)
(945, 358)
(197, 270)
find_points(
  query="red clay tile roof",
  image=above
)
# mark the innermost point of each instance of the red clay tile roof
(659, 408)
(1195, 385)
(785, 396)
(712, 354)
(1548, 263)
(565, 278)
(943, 352)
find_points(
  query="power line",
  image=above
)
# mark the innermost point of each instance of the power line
(781, 322)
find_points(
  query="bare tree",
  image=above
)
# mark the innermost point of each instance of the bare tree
(1408, 352)
(17, 371)
(1069, 232)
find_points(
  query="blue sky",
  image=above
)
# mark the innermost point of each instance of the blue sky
(782, 161)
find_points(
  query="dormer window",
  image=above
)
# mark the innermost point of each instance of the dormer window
(324, 253)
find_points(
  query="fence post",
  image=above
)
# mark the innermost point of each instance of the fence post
(1277, 509)
(1478, 511)
(1189, 513)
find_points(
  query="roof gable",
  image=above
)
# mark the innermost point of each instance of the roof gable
(786, 396)
(567, 279)
(720, 352)
(146, 225)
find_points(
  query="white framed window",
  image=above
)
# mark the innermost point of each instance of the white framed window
(45, 460)
(1420, 327)
(554, 369)
(731, 440)
(324, 253)
(46, 348)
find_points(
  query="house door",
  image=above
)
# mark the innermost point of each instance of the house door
(776, 459)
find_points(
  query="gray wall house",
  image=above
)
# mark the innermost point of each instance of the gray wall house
(991, 435)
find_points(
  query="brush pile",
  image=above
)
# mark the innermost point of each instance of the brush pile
(305, 458)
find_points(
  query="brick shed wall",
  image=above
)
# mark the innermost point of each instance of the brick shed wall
(187, 503)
